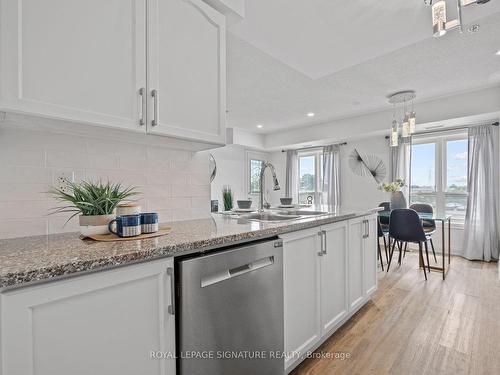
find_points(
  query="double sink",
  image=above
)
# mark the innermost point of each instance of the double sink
(281, 215)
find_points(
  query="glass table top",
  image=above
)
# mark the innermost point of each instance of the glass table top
(424, 216)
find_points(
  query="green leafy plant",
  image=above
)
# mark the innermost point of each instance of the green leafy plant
(392, 187)
(90, 198)
(227, 198)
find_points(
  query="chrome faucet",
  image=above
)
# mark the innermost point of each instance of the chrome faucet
(275, 180)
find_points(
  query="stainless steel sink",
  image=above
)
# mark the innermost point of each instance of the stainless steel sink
(269, 217)
(301, 213)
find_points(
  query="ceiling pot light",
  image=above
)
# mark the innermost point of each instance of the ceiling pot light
(439, 18)
(473, 29)
(310, 114)
(260, 126)
(497, 53)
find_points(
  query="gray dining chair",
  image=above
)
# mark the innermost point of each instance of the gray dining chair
(428, 224)
(383, 234)
(405, 226)
(384, 221)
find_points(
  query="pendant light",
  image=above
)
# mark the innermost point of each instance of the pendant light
(439, 18)
(394, 137)
(407, 124)
(412, 119)
(440, 23)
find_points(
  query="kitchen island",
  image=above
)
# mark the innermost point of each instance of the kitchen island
(113, 304)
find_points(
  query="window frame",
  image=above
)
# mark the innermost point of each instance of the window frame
(250, 156)
(440, 140)
(318, 173)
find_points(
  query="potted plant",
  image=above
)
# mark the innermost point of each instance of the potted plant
(95, 202)
(398, 199)
(227, 198)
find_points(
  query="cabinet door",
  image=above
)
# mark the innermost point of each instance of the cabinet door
(103, 323)
(187, 70)
(370, 256)
(74, 60)
(357, 229)
(334, 277)
(301, 272)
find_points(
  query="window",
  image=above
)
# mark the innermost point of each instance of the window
(255, 167)
(439, 166)
(310, 171)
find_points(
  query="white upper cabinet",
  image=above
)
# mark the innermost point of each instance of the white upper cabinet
(187, 70)
(87, 61)
(75, 60)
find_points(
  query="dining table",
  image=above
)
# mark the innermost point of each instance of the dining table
(443, 219)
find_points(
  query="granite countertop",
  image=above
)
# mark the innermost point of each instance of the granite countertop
(27, 260)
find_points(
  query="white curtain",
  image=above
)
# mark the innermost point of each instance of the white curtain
(481, 239)
(400, 163)
(331, 175)
(291, 183)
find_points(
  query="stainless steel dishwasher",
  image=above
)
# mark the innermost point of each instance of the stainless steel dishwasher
(230, 311)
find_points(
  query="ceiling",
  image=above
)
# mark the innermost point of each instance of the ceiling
(340, 59)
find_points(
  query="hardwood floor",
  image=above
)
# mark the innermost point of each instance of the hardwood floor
(416, 327)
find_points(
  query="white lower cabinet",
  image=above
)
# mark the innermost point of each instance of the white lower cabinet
(107, 322)
(334, 307)
(329, 273)
(301, 273)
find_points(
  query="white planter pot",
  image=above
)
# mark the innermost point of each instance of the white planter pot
(97, 224)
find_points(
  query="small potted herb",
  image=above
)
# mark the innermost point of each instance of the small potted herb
(95, 202)
(398, 200)
(227, 198)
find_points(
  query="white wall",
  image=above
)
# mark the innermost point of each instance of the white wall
(174, 183)
(232, 169)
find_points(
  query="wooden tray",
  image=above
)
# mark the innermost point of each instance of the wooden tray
(113, 237)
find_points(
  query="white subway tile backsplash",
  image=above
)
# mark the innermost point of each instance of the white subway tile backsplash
(18, 156)
(23, 227)
(23, 192)
(188, 190)
(15, 174)
(58, 159)
(174, 183)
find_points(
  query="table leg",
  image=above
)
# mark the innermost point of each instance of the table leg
(449, 241)
(443, 247)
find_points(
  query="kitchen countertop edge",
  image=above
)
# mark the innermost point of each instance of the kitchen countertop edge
(42, 274)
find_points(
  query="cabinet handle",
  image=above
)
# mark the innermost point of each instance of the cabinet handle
(142, 93)
(367, 228)
(322, 252)
(326, 245)
(155, 94)
(171, 307)
(364, 229)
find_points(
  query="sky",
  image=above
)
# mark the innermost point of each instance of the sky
(423, 163)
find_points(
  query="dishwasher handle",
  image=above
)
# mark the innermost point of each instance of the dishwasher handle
(236, 271)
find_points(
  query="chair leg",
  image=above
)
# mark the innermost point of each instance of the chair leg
(427, 255)
(379, 255)
(406, 249)
(422, 258)
(433, 251)
(385, 249)
(390, 256)
(400, 247)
